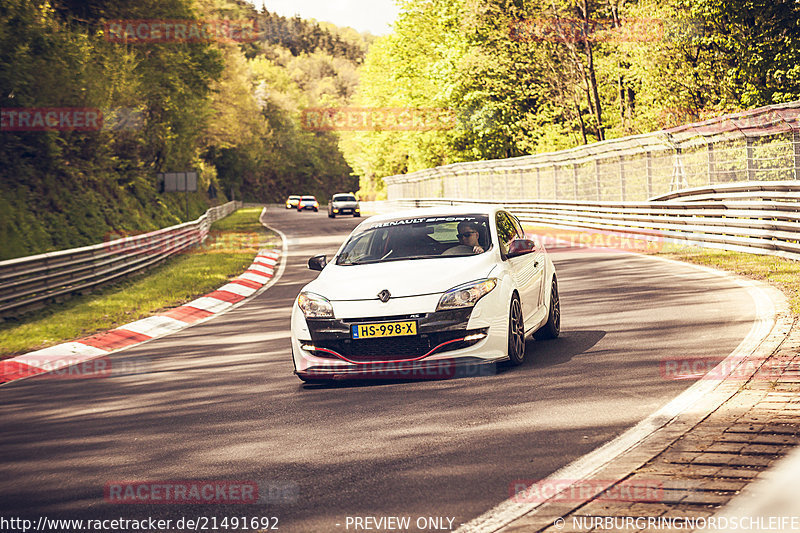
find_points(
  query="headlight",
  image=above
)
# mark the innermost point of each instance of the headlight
(314, 306)
(466, 295)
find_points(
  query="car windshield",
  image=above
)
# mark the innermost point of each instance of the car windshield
(417, 238)
(344, 198)
(309, 199)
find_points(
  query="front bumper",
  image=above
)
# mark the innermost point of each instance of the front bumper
(445, 342)
(345, 210)
(434, 369)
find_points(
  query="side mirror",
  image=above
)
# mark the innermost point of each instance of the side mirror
(317, 262)
(521, 247)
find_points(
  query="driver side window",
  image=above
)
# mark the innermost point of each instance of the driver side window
(506, 231)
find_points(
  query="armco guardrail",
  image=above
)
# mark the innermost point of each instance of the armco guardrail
(768, 222)
(757, 145)
(28, 281)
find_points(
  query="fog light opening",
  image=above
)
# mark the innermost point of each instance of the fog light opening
(475, 337)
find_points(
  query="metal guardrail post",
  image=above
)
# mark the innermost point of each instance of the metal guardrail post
(575, 180)
(678, 172)
(538, 183)
(556, 168)
(597, 179)
(796, 145)
(751, 170)
(711, 166)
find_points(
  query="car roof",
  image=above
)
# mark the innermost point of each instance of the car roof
(308, 197)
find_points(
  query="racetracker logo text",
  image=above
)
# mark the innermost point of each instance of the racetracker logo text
(51, 119)
(566, 30)
(98, 368)
(185, 492)
(571, 241)
(147, 31)
(571, 490)
(734, 369)
(389, 371)
(377, 119)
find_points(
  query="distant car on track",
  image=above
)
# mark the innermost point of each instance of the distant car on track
(292, 201)
(308, 202)
(343, 204)
(437, 286)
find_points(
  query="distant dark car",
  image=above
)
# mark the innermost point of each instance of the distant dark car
(308, 202)
(292, 202)
(343, 204)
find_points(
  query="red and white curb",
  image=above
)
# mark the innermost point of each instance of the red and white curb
(258, 274)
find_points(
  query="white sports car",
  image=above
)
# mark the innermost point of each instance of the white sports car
(418, 293)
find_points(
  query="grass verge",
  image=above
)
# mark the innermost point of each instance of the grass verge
(230, 248)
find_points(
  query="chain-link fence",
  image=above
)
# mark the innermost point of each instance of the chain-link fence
(757, 145)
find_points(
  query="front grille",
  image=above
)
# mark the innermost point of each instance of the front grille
(393, 348)
(433, 329)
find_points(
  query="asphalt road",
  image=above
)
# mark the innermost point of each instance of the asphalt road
(218, 401)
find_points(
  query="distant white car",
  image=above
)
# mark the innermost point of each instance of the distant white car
(426, 287)
(343, 204)
(308, 202)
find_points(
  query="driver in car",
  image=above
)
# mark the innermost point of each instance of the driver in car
(468, 233)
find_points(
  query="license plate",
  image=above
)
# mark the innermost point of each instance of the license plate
(384, 329)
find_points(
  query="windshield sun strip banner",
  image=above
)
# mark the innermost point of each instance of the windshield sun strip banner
(425, 220)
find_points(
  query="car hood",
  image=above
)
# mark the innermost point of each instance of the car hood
(401, 278)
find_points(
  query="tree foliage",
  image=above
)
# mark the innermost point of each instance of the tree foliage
(527, 76)
(228, 110)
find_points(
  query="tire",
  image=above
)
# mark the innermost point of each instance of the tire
(356, 215)
(315, 210)
(331, 215)
(516, 332)
(551, 328)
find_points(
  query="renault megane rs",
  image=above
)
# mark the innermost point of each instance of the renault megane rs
(428, 288)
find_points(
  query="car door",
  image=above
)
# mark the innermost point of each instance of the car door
(526, 270)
